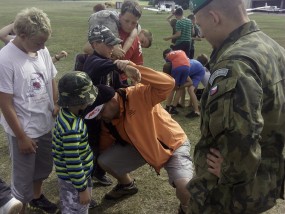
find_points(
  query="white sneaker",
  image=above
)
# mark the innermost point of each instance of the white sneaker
(13, 206)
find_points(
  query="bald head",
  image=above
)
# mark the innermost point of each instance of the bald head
(235, 10)
(218, 18)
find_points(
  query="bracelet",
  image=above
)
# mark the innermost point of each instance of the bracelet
(57, 59)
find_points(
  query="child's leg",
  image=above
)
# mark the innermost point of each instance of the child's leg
(69, 199)
(177, 96)
(169, 100)
(182, 98)
(193, 99)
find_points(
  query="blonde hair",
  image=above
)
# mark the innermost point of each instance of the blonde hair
(32, 21)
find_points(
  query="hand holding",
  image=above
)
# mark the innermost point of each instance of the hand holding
(121, 64)
(118, 52)
(84, 197)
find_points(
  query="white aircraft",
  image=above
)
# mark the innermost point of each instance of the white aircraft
(162, 8)
(266, 8)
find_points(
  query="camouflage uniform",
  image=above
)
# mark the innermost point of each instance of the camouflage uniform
(243, 116)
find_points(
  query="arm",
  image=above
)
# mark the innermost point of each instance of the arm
(237, 137)
(174, 36)
(118, 52)
(58, 56)
(26, 144)
(159, 83)
(169, 18)
(87, 48)
(55, 98)
(4, 33)
(74, 167)
(128, 43)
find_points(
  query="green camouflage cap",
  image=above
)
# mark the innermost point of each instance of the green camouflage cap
(101, 33)
(199, 4)
(76, 88)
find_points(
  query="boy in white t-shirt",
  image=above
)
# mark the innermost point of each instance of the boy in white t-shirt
(27, 101)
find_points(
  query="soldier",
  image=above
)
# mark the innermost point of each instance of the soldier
(238, 160)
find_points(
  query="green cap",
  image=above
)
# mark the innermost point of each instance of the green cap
(199, 4)
(76, 88)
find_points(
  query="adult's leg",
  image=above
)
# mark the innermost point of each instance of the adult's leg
(119, 160)
(180, 170)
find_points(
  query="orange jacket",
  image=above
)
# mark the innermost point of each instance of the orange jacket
(145, 124)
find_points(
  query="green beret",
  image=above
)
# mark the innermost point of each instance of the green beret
(199, 4)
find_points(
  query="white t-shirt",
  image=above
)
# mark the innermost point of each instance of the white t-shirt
(29, 79)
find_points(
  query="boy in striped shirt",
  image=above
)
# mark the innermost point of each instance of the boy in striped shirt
(72, 155)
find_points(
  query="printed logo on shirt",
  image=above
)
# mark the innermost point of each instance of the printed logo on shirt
(36, 85)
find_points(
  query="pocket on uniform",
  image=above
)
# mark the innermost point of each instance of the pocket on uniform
(220, 105)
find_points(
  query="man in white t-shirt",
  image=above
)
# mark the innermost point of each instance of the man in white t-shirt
(27, 101)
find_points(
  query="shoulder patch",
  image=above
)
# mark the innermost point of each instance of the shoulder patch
(218, 73)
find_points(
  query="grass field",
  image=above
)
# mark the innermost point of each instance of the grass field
(69, 23)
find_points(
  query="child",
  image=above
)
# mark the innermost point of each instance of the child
(111, 20)
(196, 35)
(203, 59)
(28, 91)
(71, 153)
(196, 73)
(8, 204)
(102, 70)
(180, 72)
(7, 34)
(172, 22)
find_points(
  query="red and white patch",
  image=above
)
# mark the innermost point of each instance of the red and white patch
(214, 90)
(92, 114)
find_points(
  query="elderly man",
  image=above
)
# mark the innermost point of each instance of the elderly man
(238, 161)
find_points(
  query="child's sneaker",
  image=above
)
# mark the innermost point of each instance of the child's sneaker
(92, 204)
(13, 206)
(43, 204)
(121, 190)
(167, 108)
(173, 110)
(180, 210)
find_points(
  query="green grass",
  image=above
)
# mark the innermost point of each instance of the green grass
(69, 23)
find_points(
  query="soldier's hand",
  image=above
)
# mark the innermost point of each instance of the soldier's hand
(84, 197)
(133, 74)
(214, 161)
(27, 145)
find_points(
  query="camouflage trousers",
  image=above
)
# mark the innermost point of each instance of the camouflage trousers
(69, 198)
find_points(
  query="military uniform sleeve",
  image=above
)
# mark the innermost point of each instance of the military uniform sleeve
(235, 122)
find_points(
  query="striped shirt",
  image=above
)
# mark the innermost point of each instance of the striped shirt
(71, 153)
(184, 25)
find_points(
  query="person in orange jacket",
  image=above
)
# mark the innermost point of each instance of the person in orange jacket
(139, 131)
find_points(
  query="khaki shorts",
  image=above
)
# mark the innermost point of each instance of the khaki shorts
(27, 168)
(125, 159)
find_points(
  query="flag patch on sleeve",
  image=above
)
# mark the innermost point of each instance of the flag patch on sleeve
(213, 90)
